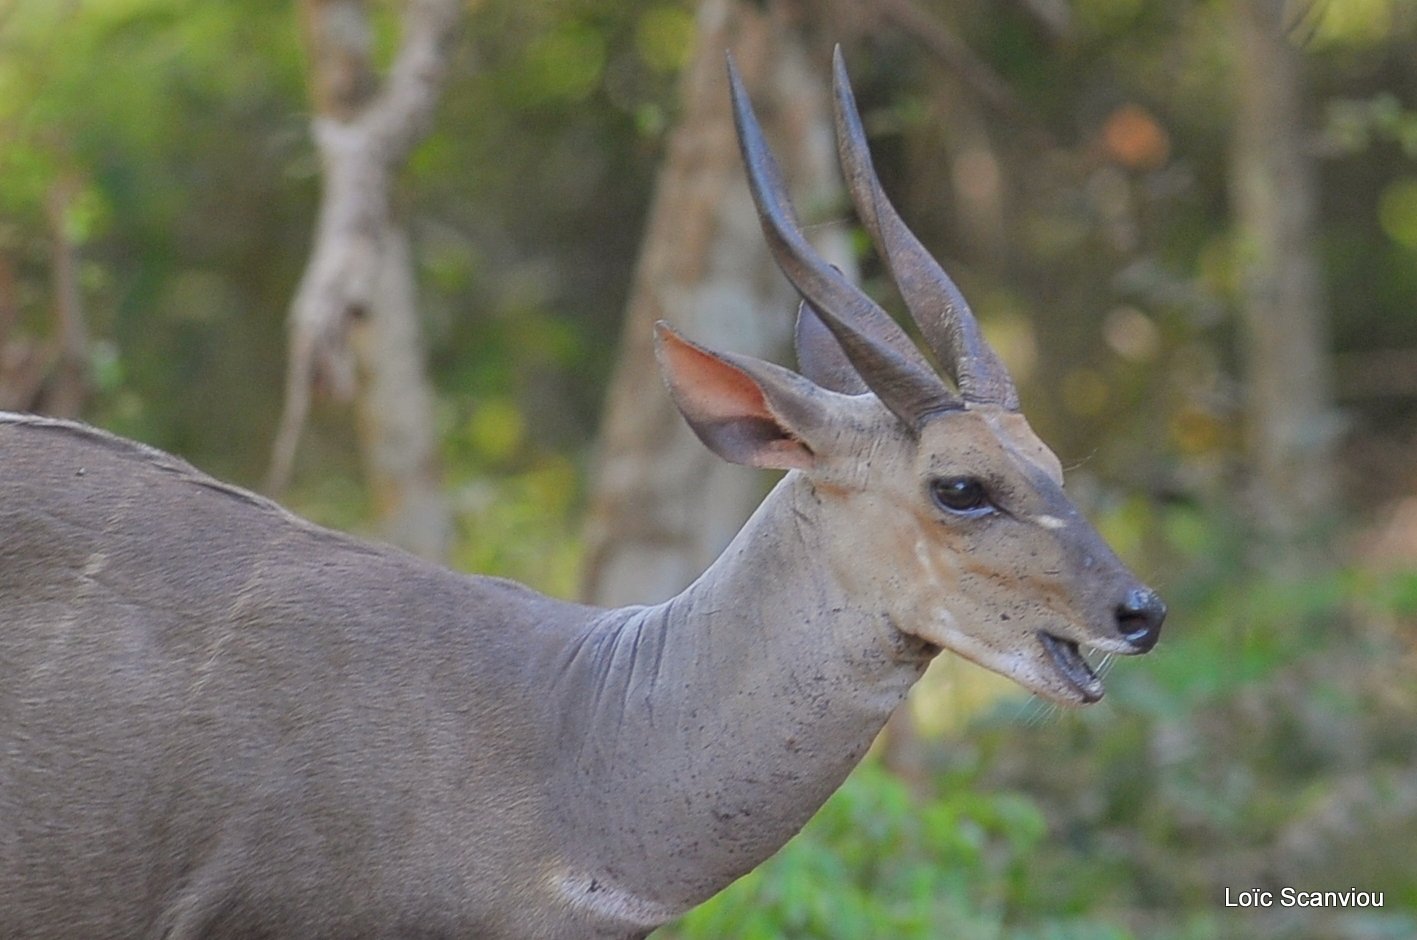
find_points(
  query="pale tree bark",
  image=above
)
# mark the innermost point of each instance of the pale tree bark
(354, 320)
(25, 362)
(68, 387)
(662, 507)
(49, 376)
(1292, 424)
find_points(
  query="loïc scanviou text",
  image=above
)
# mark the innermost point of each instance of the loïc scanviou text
(1293, 897)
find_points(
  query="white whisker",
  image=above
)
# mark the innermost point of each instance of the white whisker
(1036, 711)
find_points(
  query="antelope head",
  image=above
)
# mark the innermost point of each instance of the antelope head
(939, 505)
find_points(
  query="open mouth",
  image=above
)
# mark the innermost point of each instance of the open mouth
(1072, 666)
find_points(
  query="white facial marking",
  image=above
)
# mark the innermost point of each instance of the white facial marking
(1013, 663)
(600, 898)
(1049, 522)
(937, 566)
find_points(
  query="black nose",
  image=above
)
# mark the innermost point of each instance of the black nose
(1139, 617)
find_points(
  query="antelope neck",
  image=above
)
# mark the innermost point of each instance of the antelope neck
(711, 727)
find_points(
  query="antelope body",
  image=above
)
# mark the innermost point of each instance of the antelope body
(219, 720)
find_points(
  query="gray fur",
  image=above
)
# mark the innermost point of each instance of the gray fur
(219, 720)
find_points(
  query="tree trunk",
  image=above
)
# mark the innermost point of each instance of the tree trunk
(359, 284)
(68, 385)
(1291, 420)
(396, 409)
(662, 507)
(48, 376)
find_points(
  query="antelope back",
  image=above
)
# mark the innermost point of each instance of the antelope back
(218, 720)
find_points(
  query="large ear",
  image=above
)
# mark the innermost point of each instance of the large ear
(745, 410)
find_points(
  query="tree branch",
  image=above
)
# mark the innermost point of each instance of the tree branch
(361, 138)
(403, 112)
(70, 376)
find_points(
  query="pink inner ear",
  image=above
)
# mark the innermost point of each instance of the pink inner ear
(720, 399)
(715, 390)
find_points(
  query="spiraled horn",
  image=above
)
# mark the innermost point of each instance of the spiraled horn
(934, 301)
(893, 368)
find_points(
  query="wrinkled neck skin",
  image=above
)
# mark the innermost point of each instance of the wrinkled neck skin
(708, 729)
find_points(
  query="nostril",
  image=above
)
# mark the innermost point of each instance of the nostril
(1139, 618)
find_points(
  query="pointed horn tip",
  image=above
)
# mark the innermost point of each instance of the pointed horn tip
(742, 104)
(853, 151)
(730, 64)
(841, 80)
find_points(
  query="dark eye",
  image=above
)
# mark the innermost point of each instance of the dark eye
(960, 495)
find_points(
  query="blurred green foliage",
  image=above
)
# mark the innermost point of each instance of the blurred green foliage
(878, 861)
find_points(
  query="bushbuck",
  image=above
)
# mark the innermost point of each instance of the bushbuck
(218, 720)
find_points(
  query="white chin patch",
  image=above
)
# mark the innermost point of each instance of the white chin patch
(603, 899)
(1031, 668)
